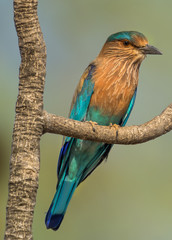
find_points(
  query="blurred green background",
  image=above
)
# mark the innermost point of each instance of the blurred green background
(130, 196)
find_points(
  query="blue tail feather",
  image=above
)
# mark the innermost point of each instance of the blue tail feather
(60, 202)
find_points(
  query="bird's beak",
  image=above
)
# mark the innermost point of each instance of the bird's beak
(148, 49)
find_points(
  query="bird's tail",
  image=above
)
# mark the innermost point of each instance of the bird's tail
(64, 192)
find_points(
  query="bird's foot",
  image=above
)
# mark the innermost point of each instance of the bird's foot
(92, 124)
(116, 126)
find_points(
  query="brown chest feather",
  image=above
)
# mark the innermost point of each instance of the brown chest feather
(113, 91)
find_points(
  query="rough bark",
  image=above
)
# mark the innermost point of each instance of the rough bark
(114, 135)
(28, 126)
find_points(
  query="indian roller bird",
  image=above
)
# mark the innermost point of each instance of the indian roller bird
(105, 94)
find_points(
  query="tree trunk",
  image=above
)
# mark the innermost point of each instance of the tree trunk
(28, 126)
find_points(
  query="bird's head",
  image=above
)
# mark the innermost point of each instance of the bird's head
(128, 45)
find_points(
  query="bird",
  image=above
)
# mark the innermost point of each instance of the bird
(104, 95)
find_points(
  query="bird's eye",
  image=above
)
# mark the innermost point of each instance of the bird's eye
(126, 43)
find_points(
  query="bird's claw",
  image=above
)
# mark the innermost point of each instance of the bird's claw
(93, 124)
(116, 126)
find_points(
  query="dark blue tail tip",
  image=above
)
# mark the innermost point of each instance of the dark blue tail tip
(54, 221)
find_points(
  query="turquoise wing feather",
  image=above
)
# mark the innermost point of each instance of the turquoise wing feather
(83, 96)
(78, 111)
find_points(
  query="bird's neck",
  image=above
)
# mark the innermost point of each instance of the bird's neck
(117, 70)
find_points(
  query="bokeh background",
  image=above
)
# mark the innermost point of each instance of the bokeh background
(130, 196)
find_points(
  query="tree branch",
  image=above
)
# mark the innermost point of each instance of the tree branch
(123, 135)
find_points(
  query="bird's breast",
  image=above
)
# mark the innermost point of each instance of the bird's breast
(113, 92)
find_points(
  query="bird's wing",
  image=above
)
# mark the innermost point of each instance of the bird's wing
(78, 110)
(130, 107)
(82, 96)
